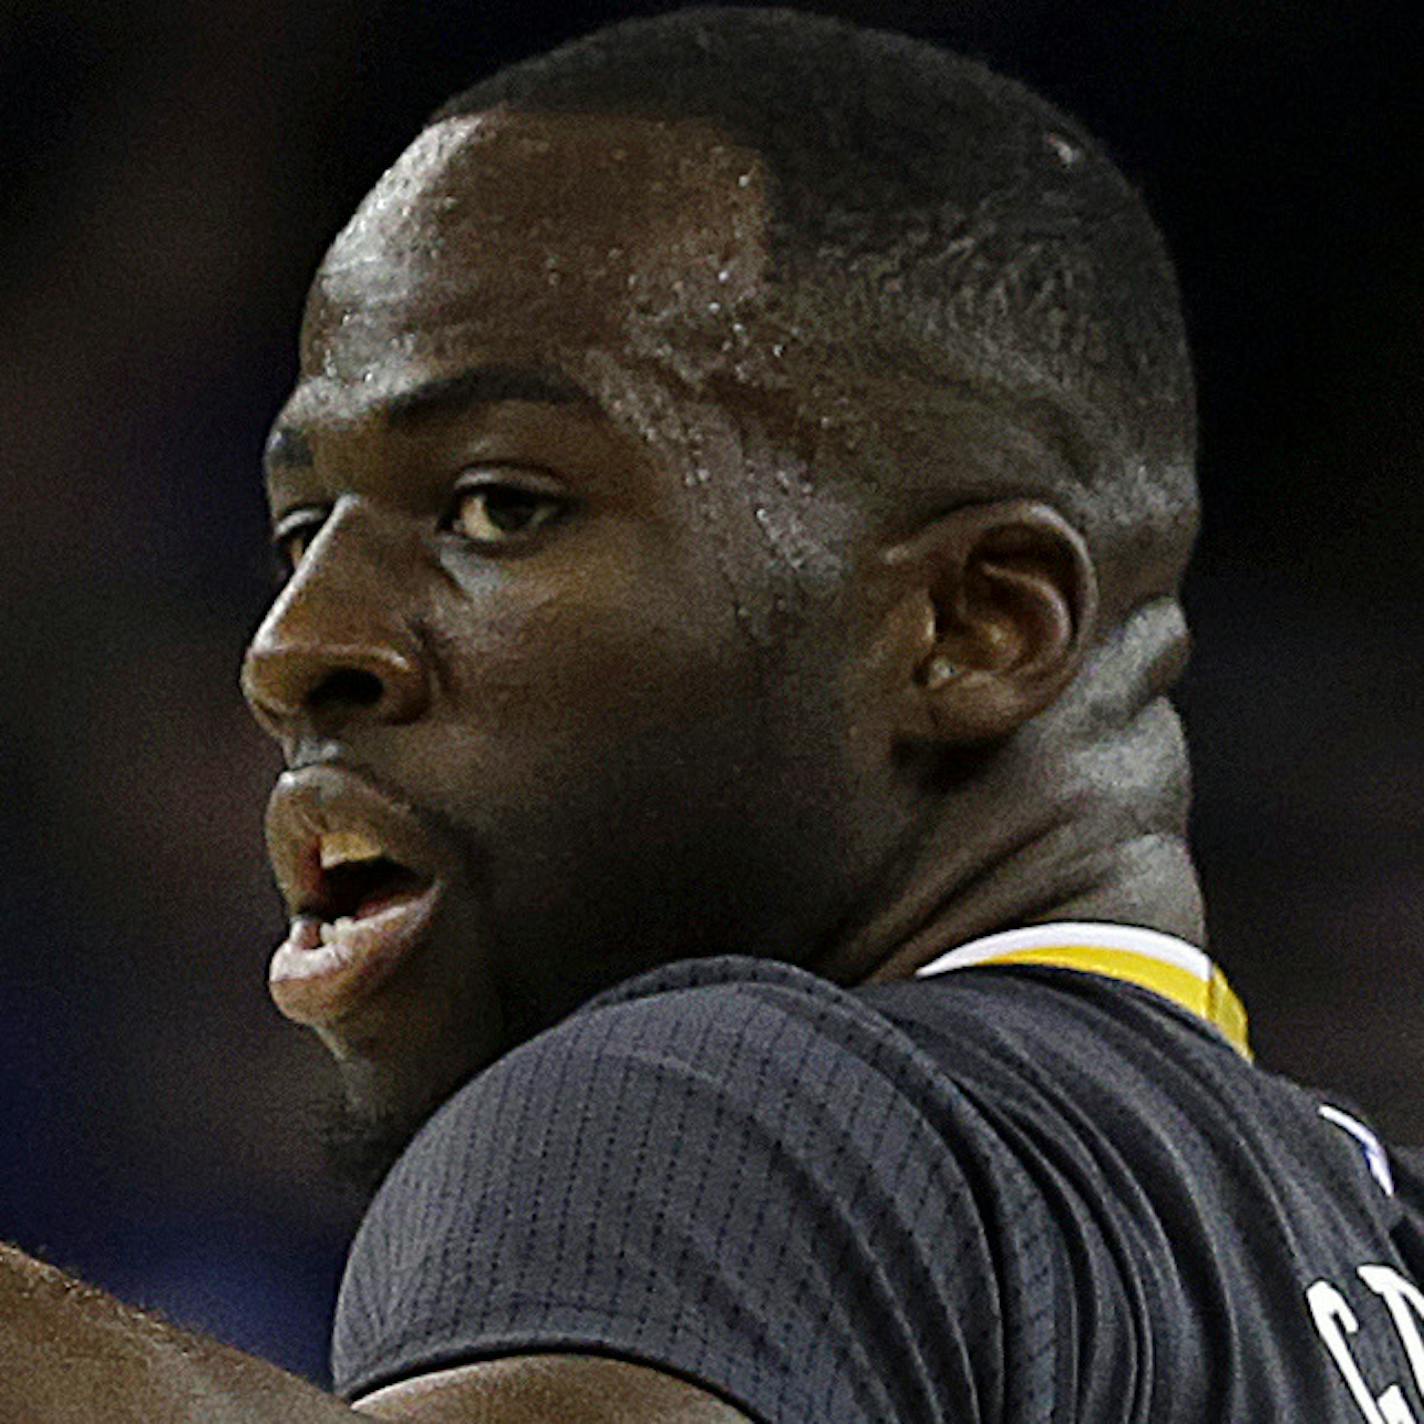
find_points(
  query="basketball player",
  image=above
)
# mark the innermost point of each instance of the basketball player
(734, 502)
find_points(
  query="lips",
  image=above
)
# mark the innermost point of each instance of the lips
(356, 919)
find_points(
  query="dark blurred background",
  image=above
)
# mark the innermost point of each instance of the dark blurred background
(171, 174)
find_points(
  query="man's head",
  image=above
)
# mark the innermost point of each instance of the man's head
(740, 472)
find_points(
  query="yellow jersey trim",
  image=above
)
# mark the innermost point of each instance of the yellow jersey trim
(1160, 963)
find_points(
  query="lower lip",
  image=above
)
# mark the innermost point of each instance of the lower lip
(315, 983)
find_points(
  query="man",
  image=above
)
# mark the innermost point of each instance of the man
(735, 498)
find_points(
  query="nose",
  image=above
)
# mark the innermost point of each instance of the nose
(333, 649)
(288, 681)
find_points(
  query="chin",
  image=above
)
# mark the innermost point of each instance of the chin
(363, 1134)
(360, 1143)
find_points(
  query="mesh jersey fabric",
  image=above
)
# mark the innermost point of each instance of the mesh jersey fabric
(1011, 1194)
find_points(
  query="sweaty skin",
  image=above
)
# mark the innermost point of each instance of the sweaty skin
(663, 723)
(589, 724)
(684, 701)
(690, 704)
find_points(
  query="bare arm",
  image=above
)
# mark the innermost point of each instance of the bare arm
(550, 1389)
(69, 1354)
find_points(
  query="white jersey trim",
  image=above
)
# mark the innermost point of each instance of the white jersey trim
(1100, 934)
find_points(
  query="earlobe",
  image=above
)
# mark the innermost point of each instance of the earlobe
(1010, 595)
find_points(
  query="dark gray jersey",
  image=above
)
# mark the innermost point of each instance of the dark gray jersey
(1002, 1194)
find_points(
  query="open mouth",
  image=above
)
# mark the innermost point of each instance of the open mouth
(362, 879)
(358, 889)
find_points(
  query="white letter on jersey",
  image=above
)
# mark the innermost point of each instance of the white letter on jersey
(1334, 1320)
(1400, 1295)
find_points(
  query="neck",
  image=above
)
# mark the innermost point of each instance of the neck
(1081, 817)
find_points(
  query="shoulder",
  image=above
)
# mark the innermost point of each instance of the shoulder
(723, 1030)
(720, 1071)
(730, 1169)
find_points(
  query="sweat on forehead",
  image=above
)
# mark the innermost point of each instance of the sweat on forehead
(614, 216)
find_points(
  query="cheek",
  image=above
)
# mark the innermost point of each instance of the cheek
(601, 746)
(562, 667)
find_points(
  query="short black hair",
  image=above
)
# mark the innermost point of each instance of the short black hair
(971, 229)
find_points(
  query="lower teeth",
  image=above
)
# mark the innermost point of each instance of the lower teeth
(330, 933)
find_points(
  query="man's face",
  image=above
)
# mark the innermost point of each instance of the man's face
(548, 643)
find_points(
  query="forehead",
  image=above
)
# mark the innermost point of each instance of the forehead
(540, 232)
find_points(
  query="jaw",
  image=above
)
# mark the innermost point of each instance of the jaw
(379, 1106)
(362, 1141)
(436, 1021)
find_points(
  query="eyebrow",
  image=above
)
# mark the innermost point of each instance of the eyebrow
(485, 385)
(447, 395)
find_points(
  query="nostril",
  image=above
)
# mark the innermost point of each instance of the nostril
(352, 686)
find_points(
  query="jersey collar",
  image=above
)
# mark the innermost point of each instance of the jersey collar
(1162, 963)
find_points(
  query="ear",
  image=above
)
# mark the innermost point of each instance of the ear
(997, 605)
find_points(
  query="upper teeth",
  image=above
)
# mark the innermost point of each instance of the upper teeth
(338, 847)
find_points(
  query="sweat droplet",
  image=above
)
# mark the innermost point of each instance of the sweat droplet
(1066, 153)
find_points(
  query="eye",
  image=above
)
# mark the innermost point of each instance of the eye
(295, 545)
(289, 544)
(496, 513)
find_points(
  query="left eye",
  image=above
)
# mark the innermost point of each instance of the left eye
(496, 513)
